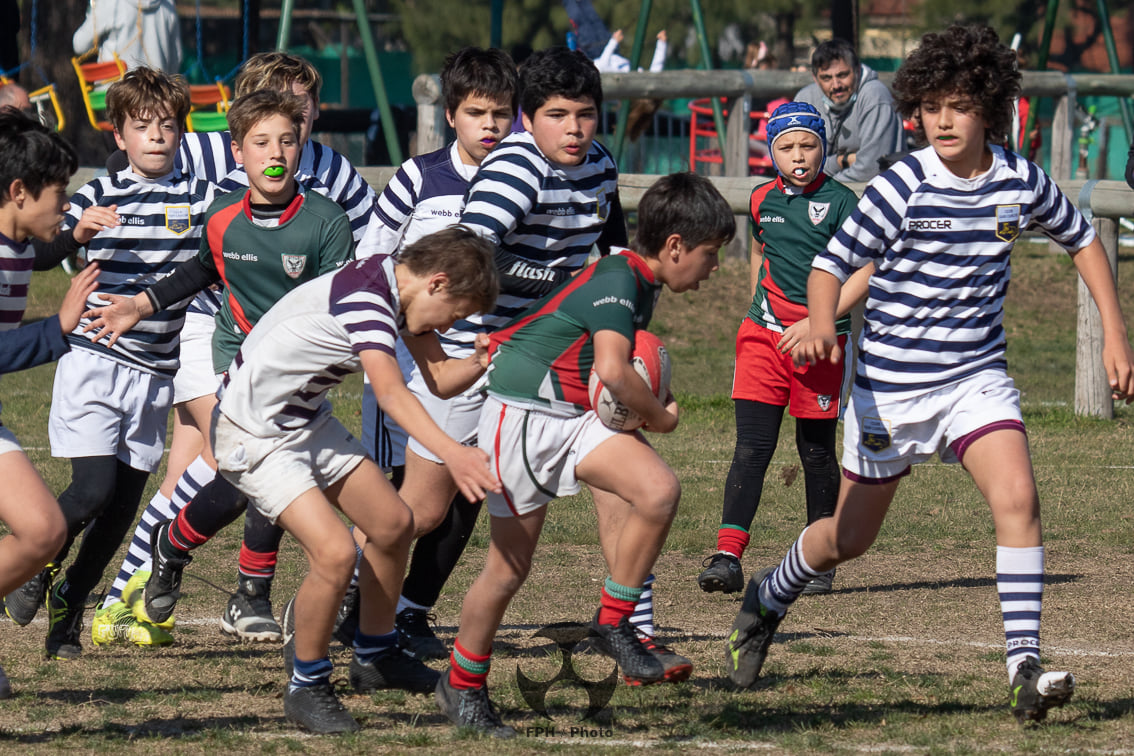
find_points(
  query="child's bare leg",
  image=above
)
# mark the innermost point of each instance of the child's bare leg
(372, 504)
(859, 513)
(820, 547)
(36, 524)
(187, 444)
(428, 489)
(329, 548)
(652, 494)
(505, 569)
(1001, 467)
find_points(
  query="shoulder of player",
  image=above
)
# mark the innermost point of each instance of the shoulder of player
(323, 207)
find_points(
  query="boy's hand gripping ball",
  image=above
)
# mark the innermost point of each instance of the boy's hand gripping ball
(651, 361)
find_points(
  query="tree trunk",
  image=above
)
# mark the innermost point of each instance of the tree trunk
(784, 46)
(55, 24)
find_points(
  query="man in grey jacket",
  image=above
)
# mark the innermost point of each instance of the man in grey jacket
(862, 125)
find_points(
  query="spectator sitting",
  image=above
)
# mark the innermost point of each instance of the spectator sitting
(862, 125)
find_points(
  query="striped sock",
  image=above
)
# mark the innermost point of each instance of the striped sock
(783, 586)
(732, 539)
(617, 602)
(138, 555)
(1019, 581)
(466, 669)
(642, 618)
(307, 674)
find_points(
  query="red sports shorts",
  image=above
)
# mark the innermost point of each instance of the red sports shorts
(764, 374)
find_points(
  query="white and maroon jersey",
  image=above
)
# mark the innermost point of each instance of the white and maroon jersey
(307, 343)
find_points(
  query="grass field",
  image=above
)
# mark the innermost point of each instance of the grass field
(906, 656)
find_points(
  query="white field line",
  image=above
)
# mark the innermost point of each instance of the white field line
(1049, 649)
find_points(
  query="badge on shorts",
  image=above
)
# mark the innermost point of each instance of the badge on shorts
(817, 211)
(293, 265)
(1007, 222)
(177, 218)
(875, 434)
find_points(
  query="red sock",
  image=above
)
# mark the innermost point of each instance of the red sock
(733, 540)
(466, 669)
(257, 564)
(613, 610)
(183, 536)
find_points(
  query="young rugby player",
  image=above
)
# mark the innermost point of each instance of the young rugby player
(931, 377)
(543, 439)
(35, 165)
(190, 466)
(260, 243)
(480, 90)
(111, 400)
(793, 218)
(277, 441)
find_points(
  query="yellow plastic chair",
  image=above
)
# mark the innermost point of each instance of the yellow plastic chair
(93, 79)
(208, 107)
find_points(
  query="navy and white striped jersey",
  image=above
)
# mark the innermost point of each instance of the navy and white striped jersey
(161, 223)
(308, 343)
(321, 169)
(543, 217)
(426, 195)
(941, 244)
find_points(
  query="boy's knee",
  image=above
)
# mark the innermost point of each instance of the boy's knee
(661, 502)
(398, 530)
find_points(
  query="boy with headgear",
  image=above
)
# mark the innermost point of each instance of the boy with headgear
(793, 218)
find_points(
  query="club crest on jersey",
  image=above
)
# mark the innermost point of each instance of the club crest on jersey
(293, 265)
(602, 205)
(817, 211)
(177, 218)
(824, 401)
(1007, 222)
(875, 434)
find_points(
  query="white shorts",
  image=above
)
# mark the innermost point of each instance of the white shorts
(884, 433)
(273, 472)
(103, 408)
(538, 453)
(195, 377)
(458, 416)
(384, 439)
(8, 441)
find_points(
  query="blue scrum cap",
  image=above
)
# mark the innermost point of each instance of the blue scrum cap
(796, 116)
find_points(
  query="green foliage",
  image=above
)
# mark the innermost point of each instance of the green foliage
(432, 30)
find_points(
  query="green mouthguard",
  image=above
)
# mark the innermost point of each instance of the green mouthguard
(274, 171)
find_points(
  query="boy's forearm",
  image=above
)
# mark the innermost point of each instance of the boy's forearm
(854, 290)
(823, 291)
(49, 254)
(1093, 265)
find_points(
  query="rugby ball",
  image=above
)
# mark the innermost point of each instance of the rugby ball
(651, 361)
